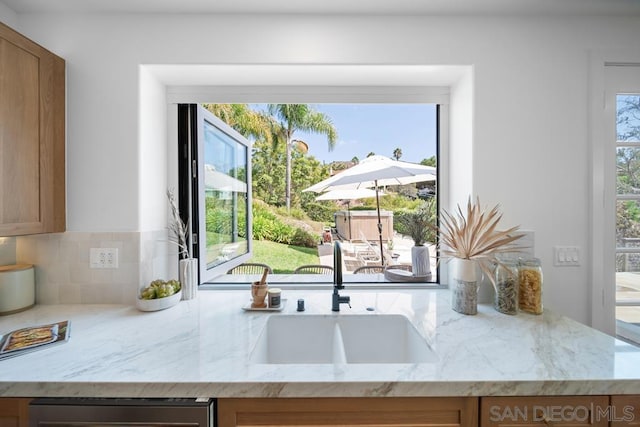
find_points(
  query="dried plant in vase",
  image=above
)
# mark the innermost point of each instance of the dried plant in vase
(178, 230)
(472, 238)
(180, 236)
(420, 226)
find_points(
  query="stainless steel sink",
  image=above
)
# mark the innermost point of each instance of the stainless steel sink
(330, 339)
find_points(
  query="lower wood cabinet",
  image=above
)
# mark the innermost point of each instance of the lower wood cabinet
(625, 410)
(545, 410)
(614, 411)
(14, 412)
(414, 412)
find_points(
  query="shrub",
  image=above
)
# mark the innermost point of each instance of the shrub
(320, 212)
(419, 224)
(268, 226)
(391, 202)
(303, 238)
(296, 213)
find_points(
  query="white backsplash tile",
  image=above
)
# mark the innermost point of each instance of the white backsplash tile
(71, 292)
(7, 250)
(62, 268)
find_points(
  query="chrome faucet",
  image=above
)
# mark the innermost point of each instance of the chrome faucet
(337, 279)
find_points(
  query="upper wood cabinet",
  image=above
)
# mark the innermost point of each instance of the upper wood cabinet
(32, 137)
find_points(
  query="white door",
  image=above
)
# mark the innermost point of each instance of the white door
(622, 131)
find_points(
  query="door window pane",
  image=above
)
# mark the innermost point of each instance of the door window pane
(225, 186)
(628, 170)
(627, 224)
(629, 262)
(628, 117)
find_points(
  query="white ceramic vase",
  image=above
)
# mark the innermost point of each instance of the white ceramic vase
(188, 273)
(464, 286)
(420, 262)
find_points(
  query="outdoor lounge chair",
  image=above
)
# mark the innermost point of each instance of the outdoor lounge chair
(313, 269)
(250, 268)
(369, 255)
(369, 269)
(372, 269)
(400, 267)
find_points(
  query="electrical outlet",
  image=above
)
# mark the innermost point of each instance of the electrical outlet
(566, 256)
(103, 258)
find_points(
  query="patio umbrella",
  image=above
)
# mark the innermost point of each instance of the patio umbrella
(219, 181)
(373, 172)
(348, 194)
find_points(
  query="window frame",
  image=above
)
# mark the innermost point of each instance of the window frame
(439, 95)
(205, 272)
(192, 183)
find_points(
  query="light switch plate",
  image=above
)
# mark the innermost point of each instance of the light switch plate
(564, 256)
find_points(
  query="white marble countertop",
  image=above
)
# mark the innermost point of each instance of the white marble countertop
(200, 348)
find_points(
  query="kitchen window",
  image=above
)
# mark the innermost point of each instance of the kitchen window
(224, 243)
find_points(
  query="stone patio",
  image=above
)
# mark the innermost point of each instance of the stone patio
(352, 253)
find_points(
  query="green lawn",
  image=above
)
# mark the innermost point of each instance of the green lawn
(282, 258)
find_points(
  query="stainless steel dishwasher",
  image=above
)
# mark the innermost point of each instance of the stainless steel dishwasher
(81, 412)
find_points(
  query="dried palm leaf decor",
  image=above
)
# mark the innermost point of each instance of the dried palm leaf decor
(473, 235)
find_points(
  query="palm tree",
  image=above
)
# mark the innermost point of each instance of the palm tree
(397, 153)
(301, 117)
(431, 161)
(243, 119)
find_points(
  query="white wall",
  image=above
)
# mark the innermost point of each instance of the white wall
(152, 203)
(461, 142)
(9, 17)
(530, 116)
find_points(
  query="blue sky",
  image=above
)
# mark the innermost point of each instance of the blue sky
(363, 128)
(632, 122)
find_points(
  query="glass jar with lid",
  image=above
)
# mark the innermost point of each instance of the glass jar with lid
(506, 284)
(530, 285)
